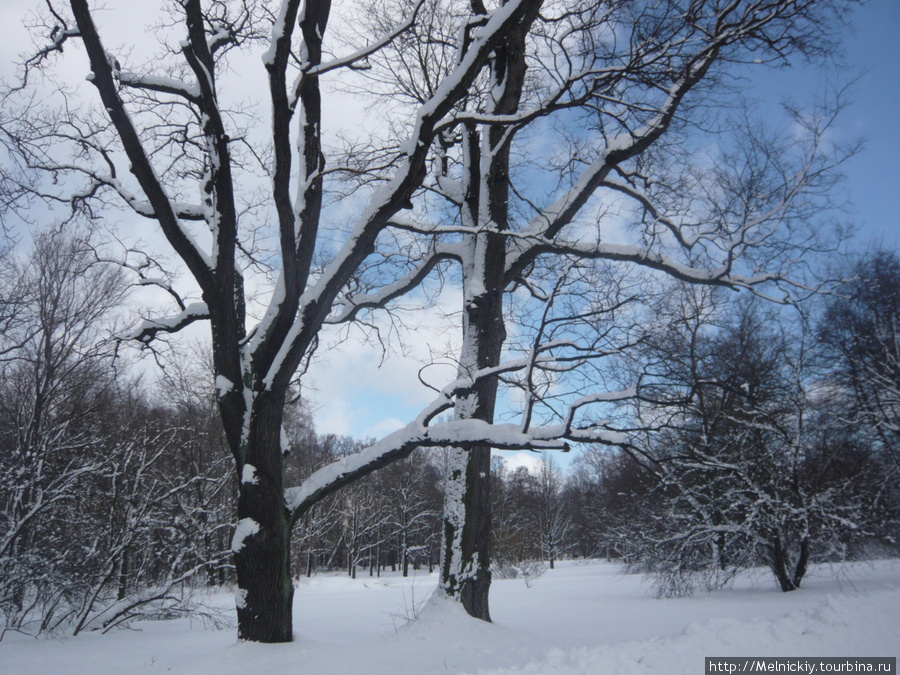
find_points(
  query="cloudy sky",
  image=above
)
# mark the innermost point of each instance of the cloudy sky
(873, 184)
(370, 393)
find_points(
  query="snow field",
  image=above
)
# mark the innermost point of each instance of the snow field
(579, 618)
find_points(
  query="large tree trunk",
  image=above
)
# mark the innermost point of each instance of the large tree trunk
(265, 590)
(262, 540)
(466, 556)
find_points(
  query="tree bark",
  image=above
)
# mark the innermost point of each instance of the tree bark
(262, 542)
(802, 563)
(264, 575)
(780, 563)
(466, 556)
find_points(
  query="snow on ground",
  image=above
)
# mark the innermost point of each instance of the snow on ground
(580, 618)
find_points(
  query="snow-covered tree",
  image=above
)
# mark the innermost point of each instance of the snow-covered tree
(551, 515)
(204, 511)
(588, 114)
(169, 148)
(52, 382)
(750, 466)
(514, 539)
(610, 496)
(860, 337)
(95, 525)
(410, 491)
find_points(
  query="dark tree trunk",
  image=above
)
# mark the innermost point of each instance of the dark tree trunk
(262, 543)
(466, 556)
(123, 575)
(264, 573)
(209, 567)
(723, 562)
(802, 563)
(222, 543)
(405, 555)
(780, 564)
(466, 559)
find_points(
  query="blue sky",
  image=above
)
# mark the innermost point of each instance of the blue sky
(872, 182)
(363, 400)
(873, 176)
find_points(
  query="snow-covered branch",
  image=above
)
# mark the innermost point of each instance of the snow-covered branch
(105, 81)
(351, 60)
(150, 328)
(349, 307)
(395, 194)
(161, 85)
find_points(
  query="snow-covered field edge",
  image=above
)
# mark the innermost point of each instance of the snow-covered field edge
(579, 618)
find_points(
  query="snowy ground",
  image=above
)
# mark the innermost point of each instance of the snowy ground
(579, 618)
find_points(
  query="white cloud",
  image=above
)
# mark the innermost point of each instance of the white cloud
(383, 428)
(333, 418)
(516, 460)
(354, 391)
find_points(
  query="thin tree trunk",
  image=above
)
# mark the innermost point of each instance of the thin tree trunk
(405, 556)
(222, 540)
(802, 563)
(123, 575)
(378, 554)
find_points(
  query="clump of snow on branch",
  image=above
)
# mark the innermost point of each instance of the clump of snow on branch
(246, 527)
(249, 476)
